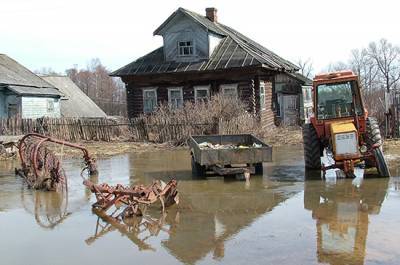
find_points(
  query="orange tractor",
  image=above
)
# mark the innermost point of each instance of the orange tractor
(341, 127)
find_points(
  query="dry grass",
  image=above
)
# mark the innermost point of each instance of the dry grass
(219, 115)
(283, 136)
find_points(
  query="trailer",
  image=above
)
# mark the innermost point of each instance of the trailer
(240, 155)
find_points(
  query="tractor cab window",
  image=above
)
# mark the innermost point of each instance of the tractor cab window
(336, 100)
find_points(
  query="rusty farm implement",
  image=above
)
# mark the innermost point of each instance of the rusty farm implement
(42, 169)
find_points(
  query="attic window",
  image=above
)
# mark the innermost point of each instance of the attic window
(185, 48)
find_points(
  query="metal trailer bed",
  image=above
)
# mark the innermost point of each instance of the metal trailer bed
(225, 161)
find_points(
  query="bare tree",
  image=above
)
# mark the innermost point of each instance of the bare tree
(387, 59)
(105, 91)
(364, 66)
(306, 67)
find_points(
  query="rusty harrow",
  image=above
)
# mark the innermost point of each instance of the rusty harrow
(136, 199)
(41, 168)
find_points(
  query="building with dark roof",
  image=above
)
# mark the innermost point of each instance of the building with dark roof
(201, 57)
(24, 94)
(74, 102)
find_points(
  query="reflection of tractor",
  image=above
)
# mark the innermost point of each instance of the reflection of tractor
(342, 127)
(341, 211)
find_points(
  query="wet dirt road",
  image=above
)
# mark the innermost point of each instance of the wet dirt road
(279, 218)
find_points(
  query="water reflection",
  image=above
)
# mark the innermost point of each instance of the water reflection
(48, 208)
(341, 210)
(139, 229)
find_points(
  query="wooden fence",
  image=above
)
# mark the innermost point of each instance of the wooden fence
(101, 129)
(65, 128)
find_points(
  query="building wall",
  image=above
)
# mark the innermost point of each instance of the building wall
(185, 29)
(245, 93)
(267, 116)
(37, 107)
(3, 111)
(5, 101)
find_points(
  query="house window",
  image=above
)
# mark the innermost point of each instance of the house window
(185, 48)
(175, 97)
(230, 90)
(149, 100)
(201, 93)
(50, 105)
(262, 95)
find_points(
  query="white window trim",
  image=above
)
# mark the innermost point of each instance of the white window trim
(263, 106)
(180, 89)
(197, 88)
(222, 88)
(149, 89)
(186, 55)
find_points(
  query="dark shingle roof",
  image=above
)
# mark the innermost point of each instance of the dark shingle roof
(234, 50)
(22, 81)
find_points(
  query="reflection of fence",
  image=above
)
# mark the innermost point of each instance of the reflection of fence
(137, 129)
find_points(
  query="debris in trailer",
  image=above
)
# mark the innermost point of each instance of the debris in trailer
(136, 198)
(41, 168)
(207, 145)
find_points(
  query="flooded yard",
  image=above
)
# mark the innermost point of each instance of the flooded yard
(277, 218)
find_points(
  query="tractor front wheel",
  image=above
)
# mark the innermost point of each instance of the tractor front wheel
(312, 147)
(381, 165)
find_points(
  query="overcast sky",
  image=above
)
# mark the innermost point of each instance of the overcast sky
(60, 34)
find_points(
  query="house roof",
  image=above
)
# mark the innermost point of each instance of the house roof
(22, 81)
(234, 50)
(74, 103)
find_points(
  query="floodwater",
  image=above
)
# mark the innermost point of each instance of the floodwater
(277, 218)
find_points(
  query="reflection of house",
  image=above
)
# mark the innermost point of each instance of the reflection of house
(218, 215)
(24, 94)
(74, 103)
(201, 57)
(341, 213)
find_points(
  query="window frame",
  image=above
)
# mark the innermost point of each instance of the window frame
(224, 87)
(197, 88)
(170, 89)
(192, 46)
(152, 89)
(262, 95)
(50, 105)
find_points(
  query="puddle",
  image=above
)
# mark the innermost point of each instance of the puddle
(278, 219)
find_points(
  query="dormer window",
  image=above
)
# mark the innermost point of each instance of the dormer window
(185, 48)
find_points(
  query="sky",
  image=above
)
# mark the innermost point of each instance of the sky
(63, 34)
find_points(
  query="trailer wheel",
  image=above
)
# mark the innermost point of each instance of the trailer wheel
(312, 147)
(259, 168)
(381, 164)
(197, 169)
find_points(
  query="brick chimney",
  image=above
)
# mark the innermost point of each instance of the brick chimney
(211, 14)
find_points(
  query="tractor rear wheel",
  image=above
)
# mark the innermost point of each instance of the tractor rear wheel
(373, 135)
(312, 147)
(381, 164)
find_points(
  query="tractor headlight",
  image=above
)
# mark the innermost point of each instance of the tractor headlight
(363, 149)
(346, 143)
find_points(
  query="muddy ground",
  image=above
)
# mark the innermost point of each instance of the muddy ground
(277, 137)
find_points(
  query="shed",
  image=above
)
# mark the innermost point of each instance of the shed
(24, 94)
(74, 102)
